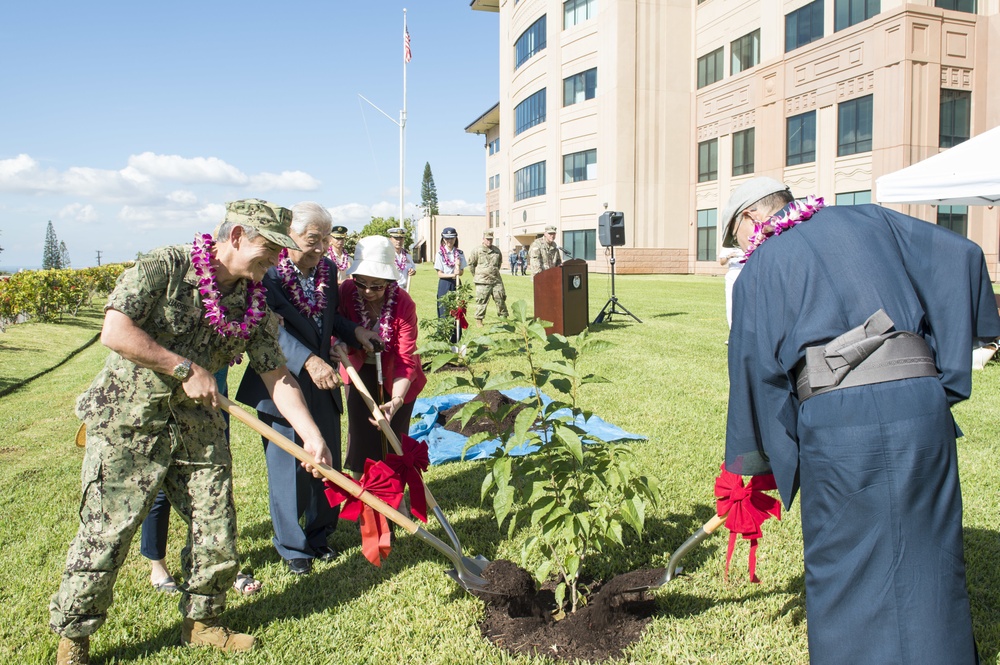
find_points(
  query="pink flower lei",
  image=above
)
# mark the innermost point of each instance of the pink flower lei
(290, 281)
(202, 251)
(342, 263)
(791, 215)
(449, 259)
(387, 315)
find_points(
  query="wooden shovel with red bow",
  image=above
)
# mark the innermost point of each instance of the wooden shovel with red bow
(742, 508)
(465, 577)
(409, 453)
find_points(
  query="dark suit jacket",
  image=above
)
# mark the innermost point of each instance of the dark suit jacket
(299, 337)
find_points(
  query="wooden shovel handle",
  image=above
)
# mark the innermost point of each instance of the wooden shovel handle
(328, 472)
(711, 525)
(377, 414)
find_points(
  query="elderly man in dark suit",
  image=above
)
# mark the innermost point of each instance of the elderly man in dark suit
(302, 290)
(852, 336)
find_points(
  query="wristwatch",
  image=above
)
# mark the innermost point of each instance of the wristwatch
(183, 370)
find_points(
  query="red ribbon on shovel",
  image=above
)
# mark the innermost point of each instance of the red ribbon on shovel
(381, 481)
(459, 314)
(746, 508)
(409, 467)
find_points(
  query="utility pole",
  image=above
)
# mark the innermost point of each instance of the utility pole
(98, 257)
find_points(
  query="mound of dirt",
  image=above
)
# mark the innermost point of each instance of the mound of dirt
(482, 423)
(518, 618)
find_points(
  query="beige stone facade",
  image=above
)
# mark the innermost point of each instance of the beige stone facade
(648, 114)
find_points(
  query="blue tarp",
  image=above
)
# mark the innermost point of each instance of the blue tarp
(446, 446)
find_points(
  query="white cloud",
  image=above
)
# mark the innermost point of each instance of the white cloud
(79, 212)
(205, 218)
(352, 215)
(182, 197)
(461, 207)
(284, 181)
(202, 170)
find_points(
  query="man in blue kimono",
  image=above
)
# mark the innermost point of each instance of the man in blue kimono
(852, 336)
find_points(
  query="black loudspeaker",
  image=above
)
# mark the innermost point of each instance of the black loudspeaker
(611, 229)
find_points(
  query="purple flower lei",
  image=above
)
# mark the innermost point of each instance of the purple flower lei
(797, 212)
(401, 262)
(290, 280)
(202, 252)
(342, 263)
(449, 259)
(387, 315)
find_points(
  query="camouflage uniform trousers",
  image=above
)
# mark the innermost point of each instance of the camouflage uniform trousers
(483, 293)
(119, 486)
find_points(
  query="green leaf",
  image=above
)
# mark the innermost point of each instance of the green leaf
(472, 441)
(569, 439)
(560, 367)
(542, 509)
(525, 419)
(502, 502)
(560, 594)
(572, 566)
(468, 411)
(486, 487)
(440, 361)
(614, 532)
(630, 516)
(501, 471)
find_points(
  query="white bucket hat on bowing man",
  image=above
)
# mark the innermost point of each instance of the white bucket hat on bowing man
(375, 257)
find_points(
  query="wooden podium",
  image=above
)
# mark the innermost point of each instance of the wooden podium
(562, 297)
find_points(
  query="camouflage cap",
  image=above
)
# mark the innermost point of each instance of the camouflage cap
(487, 234)
(272, 221)
(339, 232)
(550, 229)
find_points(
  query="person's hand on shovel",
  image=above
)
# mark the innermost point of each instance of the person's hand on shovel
(317, 448)
(201, 386)
(368, 339)
(322, 373)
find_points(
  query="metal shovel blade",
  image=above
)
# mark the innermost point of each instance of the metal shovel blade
(673, 570)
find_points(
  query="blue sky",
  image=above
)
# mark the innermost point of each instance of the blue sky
(129, 124)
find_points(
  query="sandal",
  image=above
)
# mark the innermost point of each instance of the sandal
(166, 585)
(246, 585)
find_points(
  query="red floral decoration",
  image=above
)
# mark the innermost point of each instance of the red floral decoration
(380, 481)
(746, 508)
(409, 467)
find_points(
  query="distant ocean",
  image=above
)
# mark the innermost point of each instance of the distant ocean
(13, 269)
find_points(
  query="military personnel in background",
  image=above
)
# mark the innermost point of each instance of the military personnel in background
(407, 268)
(485, 262)
(152, 421)
(340, 258)
(544, 253)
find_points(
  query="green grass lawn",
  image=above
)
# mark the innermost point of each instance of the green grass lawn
(668, 382)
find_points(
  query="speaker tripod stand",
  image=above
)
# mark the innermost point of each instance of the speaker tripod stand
(612, 306)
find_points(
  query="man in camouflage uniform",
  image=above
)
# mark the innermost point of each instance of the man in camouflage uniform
(485, 262)
(152, 421)
(543, 253)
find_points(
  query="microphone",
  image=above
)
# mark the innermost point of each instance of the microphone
(564, 251)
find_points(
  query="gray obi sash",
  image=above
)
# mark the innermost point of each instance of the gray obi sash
(867, 354)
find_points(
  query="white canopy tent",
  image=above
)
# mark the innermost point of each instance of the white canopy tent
(968, 174)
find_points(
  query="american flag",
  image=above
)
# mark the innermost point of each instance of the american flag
(407, 53)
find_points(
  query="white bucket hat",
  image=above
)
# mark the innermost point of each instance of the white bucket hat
(375, 257)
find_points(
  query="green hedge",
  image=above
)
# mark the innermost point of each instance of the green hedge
(46, 295)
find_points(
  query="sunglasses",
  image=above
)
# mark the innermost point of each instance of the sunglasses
(363, 286)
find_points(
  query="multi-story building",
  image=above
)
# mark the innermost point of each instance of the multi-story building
(660, 108)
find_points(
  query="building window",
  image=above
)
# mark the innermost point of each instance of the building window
(580, 87)
(958, 5)
(530, 42)
(494, 182)
(708, 160)
(854, 126)
(804, 25)
(848, 12)
(578, 11)
(530, 112)
(494, 146)
(956, 116)
(710, 68)
(706, 234)
(580, 166)
(743, 143)
(744, 53)
(581, 244)
(800, 147)
(954, 218)
(529, 181)
(854, 198)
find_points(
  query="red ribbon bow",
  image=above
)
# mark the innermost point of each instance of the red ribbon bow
(409, 467)
(382, 482)
(746, 509)
(459, 314)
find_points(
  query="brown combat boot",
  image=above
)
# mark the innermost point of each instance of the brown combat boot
(210, 633)
(73, 651)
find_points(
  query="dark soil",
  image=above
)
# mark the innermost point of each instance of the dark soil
(482, 423)
(519, 620)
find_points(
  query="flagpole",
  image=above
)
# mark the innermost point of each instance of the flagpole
(402, 120)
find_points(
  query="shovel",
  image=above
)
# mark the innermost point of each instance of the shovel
(706, 530)
(476, 564)
(466, 578)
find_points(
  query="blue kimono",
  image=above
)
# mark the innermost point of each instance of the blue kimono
(877, 465)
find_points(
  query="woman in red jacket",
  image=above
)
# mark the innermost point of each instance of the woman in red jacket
(372, 298)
